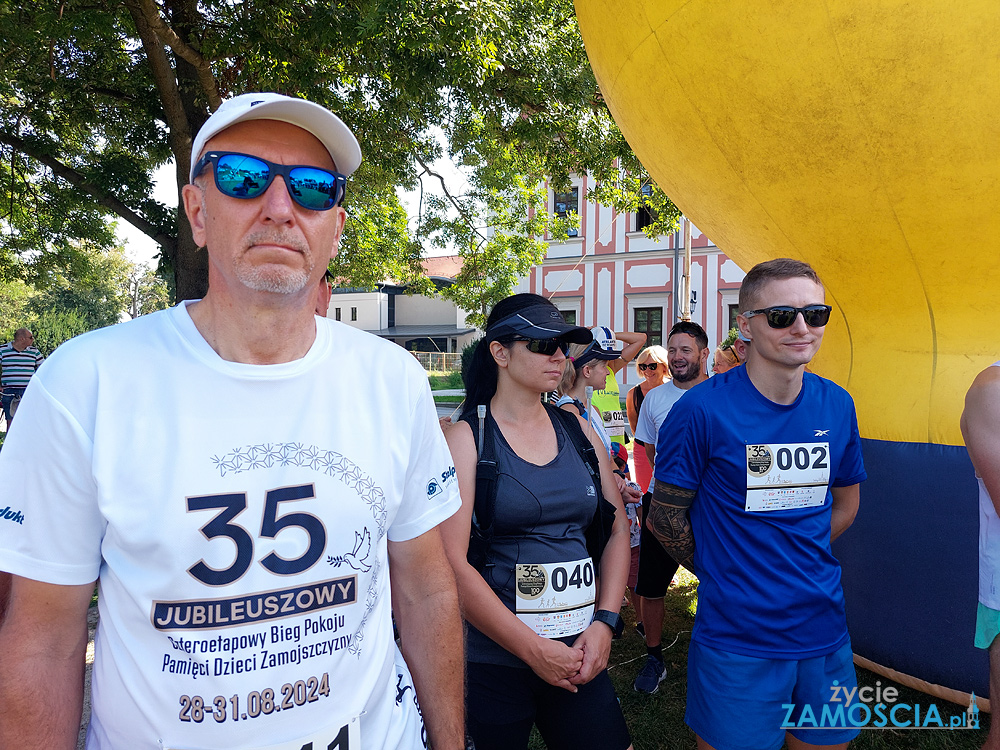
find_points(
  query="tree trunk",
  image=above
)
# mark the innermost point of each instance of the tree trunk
(191, 261)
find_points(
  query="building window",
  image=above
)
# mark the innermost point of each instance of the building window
(734, 310)
(336, 313)
(644, 216)
(649, 320)
(354, 313)
(565, 204)
(569, 316)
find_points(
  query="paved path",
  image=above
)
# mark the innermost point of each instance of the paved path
(91, 627)
(448, 410)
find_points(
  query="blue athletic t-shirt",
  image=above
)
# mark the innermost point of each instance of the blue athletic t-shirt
(769, 584)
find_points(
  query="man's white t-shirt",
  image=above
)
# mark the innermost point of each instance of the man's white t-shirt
(989, 549)
(237, 516)
(655, 407)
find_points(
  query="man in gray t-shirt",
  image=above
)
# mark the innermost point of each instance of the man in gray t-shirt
(687, 350)
(654, 410)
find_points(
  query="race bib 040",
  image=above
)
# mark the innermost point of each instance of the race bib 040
(555, 599)
(783, 476)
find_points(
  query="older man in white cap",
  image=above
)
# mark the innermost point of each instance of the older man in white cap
(244, 563)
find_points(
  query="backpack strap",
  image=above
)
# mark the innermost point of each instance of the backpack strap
(580, 441)
(484, 504)
(599, 530)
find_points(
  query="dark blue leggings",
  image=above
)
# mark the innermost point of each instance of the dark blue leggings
(504, 702)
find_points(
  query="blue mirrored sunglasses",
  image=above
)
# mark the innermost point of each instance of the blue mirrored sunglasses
(245, 176)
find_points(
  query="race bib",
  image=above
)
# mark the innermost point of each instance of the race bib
(347, 737)
(787, 475)
(555, 599)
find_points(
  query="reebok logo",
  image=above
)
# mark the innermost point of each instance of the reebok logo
(821, 433)
(10, 514)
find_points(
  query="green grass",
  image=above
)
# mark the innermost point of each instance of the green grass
(656, 722)
(445, 381)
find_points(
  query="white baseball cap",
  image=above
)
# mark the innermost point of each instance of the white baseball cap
(604, 346)
(604, 337)
(329, 129)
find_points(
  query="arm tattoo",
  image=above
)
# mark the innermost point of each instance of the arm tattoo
(669, 523)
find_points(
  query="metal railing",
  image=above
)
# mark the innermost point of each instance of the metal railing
(439, 361)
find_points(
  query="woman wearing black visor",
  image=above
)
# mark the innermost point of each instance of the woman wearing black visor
(540, 546)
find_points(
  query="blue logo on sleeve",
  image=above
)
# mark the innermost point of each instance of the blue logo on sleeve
(10, 514)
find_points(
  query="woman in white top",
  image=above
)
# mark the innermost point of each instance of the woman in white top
(586, 365)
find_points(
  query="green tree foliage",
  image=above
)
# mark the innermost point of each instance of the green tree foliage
(74, 292)
(147, 292)
(97, 95)
(14, 297)
(54, 325)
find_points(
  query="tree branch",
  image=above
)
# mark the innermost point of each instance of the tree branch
(448, 195)
(182, 49)
(179, 129)
(167, 242)
(115, 94)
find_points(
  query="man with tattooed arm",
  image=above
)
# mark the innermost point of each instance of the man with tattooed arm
(760, 471)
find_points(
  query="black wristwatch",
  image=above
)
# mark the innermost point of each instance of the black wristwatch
(612, 619)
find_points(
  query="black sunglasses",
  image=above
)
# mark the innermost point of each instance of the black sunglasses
(649, 366)
(548, 347)
(245, 176)
(783, 316)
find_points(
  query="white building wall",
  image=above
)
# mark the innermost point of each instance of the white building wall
(416, 310)
(370, 306)
(642, 274)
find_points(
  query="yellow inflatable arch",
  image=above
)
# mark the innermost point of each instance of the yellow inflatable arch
(862, 136)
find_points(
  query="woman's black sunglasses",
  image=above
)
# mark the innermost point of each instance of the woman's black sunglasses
(649, 366)
(783, 316)
(548, 347)
(245, 176)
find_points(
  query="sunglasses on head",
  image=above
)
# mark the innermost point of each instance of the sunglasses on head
(548, 347)
(783, 316)
(245, 176)
(649, 366)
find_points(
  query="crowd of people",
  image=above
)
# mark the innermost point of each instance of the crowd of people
(251, 571)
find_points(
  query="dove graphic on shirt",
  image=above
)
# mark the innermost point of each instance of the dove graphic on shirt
(358, 557)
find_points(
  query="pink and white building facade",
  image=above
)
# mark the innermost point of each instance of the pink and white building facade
(611, 274)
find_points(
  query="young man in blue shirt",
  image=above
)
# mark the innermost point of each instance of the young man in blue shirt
(761, 471)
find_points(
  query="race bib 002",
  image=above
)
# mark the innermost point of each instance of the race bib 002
(783, 476)
(555, 599)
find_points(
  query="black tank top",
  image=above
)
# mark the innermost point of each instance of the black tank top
(637, 398)
(541, 515)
